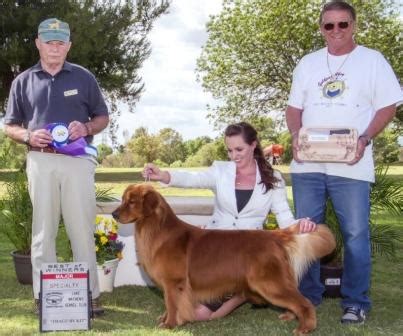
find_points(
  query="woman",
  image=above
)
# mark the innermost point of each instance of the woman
(246, 189)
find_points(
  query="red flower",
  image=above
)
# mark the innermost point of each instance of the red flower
(112, 236)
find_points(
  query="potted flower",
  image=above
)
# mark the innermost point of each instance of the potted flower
(15, 224)
(108, 251)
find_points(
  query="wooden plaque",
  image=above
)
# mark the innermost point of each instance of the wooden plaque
(327, 144)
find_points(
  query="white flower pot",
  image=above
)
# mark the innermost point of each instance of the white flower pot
(106, 275)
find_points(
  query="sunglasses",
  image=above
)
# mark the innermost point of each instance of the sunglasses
(330, 26)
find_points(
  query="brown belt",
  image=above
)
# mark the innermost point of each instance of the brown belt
(43, 150)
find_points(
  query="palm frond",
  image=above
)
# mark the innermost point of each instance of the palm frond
(384, 240)
(104, 195)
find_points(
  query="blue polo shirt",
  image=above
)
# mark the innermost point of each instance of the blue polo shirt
(37, 98)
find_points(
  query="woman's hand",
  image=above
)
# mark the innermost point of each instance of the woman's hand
(152, 172)
(306, 225)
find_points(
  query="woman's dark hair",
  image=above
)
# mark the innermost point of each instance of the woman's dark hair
(337, 5)
(249, 135)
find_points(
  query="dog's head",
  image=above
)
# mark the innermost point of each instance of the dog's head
(138, 201)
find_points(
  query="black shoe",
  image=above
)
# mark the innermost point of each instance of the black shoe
(97, 309)
(353, 315)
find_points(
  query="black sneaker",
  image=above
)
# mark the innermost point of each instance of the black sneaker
(353, 315)
(97, 309)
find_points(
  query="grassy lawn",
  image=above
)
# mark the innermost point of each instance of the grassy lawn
(133, 310)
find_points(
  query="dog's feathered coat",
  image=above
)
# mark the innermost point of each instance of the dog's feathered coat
(194, 265)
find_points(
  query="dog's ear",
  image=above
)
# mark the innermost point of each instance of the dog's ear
(150, 202)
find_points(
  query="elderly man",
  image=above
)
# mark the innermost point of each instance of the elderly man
(341, 85)
(56, 91)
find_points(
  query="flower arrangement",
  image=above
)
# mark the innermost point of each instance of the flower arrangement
(107, 246)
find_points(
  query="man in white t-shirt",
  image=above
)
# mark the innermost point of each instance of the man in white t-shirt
(341, 85)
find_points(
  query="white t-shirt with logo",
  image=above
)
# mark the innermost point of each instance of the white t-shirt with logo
(363, 82)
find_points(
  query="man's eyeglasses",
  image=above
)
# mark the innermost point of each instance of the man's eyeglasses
(330, 26)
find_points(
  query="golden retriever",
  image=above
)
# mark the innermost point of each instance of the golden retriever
(193, 265)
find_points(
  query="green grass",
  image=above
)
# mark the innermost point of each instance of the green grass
(133, 310)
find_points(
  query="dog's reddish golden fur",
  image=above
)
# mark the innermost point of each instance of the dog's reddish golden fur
(193, 265)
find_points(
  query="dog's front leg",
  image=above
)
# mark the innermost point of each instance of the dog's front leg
(169, 318)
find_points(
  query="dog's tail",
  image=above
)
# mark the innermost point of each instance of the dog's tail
(305, 248)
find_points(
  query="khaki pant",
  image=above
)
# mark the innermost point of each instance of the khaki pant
(62, 185)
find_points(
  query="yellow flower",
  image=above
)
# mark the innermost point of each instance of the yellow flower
(103, 240)
(96, 248)
(98, 219)
(99, 232)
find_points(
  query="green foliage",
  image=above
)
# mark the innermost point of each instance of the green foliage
(12, 154)
(160, 163)
(285, 140)
(207, 154)
(109, 38)
(176, 164)
(171, 147)
(193, 145)
(386, 193)
(386, 148)
(386, 196)
(16, 213)
(254, 45)
(104, 195)
(144, 145)
(103, 152)
(123, 160)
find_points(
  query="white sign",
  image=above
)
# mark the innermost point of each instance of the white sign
(64, 297)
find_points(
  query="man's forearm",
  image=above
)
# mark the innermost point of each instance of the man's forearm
(97, 124)
(381, 119)
(293, 118)
(15, 132)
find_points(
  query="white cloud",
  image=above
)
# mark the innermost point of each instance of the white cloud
(173, 98)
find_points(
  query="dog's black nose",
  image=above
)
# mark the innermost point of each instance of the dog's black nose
(115, 214)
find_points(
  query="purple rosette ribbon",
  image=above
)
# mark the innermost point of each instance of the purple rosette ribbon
(62, 145)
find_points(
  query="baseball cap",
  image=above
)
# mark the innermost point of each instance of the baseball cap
(54, 30)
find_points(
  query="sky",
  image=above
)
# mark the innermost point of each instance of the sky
(173, 98)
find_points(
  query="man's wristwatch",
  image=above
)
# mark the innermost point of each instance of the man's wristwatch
(26, 137)
(366, 137)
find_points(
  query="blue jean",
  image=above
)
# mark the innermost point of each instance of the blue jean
(350, 199)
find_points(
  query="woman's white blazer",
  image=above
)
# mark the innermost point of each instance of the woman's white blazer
(220, 178)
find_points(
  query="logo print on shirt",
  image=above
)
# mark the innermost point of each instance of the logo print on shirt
(333, 89)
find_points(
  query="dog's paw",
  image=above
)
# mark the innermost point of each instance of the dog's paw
(167, 325)
(162, 318)
(287, 316)
(301, 331)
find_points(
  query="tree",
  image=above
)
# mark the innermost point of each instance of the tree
(207, 154)
(144, 145)
(266, 128)
(193, 145)
(103, 152)
(171, 146)
(386, 148)
(109, 38)
(254, 45)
